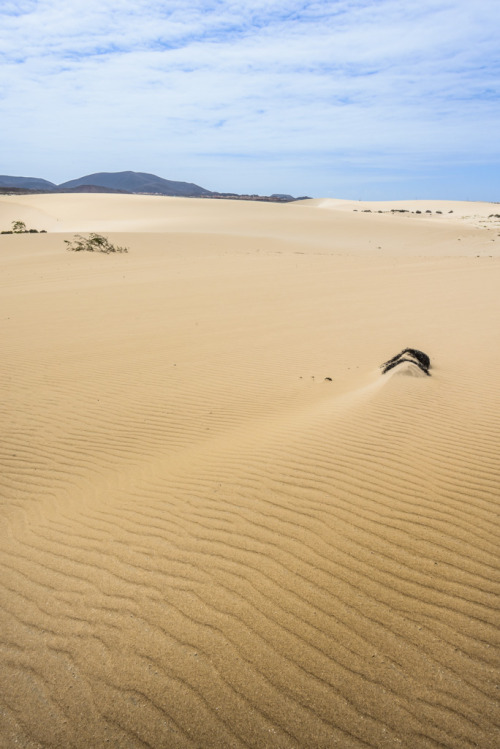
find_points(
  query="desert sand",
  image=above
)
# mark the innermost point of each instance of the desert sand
(204, 541)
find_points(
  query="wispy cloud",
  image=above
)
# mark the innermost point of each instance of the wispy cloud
(191, 89)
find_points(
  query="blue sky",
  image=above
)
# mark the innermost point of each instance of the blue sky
(368, 99)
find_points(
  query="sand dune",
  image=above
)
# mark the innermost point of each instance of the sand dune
(222, 525)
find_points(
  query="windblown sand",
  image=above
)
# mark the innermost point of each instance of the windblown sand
(204, 541)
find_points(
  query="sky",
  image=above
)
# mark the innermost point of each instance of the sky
(357, 99)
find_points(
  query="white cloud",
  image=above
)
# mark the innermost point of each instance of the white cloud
(162, 84)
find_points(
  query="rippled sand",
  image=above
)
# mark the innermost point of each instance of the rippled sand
(205, 542)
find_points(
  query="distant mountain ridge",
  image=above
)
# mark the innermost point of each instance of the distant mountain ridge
(28, 183)
(138, 182)
(128, 182)
(132, 182)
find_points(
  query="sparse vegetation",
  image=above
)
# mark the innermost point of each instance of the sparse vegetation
(93, 243)
(19, 227)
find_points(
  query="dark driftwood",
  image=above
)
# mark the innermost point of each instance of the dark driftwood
(412, 355)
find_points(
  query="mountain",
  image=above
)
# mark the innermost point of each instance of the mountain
(26, 183)
(137, 182)
(129, 182)
(92, 188)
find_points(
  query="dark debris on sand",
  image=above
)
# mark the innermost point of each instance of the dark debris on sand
(412, 355)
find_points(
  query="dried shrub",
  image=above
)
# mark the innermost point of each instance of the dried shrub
(93, 243)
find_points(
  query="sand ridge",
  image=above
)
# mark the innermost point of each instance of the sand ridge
(204, 541)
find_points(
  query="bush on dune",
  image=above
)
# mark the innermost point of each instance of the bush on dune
(19, 227)
(93, 243)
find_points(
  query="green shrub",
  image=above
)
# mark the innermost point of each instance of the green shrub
(93, 243)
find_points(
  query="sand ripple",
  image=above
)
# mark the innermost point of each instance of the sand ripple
(207, 544)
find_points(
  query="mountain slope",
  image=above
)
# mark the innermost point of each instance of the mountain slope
(29, 183)
(137, 182)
